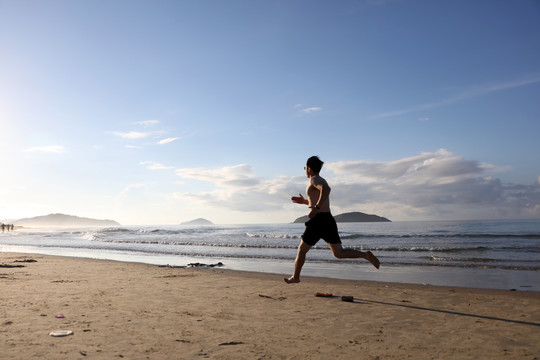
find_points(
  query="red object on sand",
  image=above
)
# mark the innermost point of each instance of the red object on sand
(320, 294)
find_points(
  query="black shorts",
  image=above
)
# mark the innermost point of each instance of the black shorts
(322, 226)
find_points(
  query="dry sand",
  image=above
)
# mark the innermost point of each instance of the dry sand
(137, 311)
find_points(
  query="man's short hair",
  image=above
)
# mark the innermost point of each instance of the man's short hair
(315, 164)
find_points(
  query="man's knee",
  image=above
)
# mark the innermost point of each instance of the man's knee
(338, 252)
(303, 247)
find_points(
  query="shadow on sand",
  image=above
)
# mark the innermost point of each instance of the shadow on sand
(365, 301)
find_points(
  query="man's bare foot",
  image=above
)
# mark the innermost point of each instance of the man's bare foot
(373, 259)
(291, 280)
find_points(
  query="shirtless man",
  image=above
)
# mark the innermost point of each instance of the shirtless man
(321, 223)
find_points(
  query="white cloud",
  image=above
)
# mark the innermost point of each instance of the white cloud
(168, 140)
(311, 109)
(133, 134)
(229, 176)
(155, 166)
(424, 168)
(147, 123)
(236, 189)
(433, 185)
(56, 149)
(264, 198)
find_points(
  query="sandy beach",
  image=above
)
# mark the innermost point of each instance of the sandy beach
(137, 311)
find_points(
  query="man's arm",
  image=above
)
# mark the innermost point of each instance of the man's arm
(324, 190)
(299, 200)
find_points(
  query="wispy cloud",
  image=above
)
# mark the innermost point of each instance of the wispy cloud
(56, 149)
(136, 135)
(167, 141)
(155, 166)
(147, 123)
(471, 92)
(311, 109)
(307, 109)
(228, 176)
(133, 134)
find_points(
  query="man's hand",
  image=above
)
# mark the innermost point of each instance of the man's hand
(299, 200)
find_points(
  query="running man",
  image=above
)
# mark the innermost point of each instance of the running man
(321, 223)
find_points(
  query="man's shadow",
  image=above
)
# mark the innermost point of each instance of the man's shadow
(366, 301)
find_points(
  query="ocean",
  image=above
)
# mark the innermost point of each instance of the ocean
(479, 254)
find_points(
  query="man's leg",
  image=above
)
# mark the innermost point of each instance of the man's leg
(303, 248)
(342, 253)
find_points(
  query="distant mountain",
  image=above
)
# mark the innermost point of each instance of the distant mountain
(199, 221)
(350, 217)
(63, 220)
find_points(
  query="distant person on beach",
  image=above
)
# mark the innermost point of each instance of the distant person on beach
(321, 223)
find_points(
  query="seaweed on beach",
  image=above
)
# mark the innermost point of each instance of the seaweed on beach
(7, 266)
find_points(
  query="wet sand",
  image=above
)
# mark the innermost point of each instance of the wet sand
(138, 311)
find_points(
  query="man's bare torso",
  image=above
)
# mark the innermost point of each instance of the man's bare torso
(315, 183)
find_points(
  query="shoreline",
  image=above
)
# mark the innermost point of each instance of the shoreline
(474, 278)
(134, 310)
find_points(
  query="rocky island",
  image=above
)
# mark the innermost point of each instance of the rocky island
(63, 220)
(350, 217)
(199, 221)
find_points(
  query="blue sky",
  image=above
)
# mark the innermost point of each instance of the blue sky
(158, 112)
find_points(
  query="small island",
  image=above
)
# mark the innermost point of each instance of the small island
(199, 221)
(63, 220)
(350, 217)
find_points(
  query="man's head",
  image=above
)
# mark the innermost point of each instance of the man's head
(315, 164)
